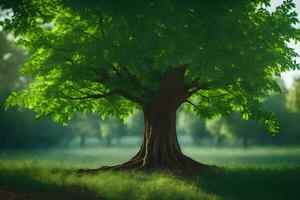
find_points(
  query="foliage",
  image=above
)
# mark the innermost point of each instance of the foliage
(232, 127)
(109, 57)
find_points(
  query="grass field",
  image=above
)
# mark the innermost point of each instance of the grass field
(253, 173)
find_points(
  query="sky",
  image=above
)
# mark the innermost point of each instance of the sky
(288, 77)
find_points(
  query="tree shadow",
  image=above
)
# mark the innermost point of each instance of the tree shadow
(19, 187)
(255, 183)
(231, 184)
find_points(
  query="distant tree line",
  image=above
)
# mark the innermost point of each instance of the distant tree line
(233, 129)
(18, 127)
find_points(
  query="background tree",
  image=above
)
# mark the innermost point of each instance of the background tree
(218, 129)
(293, 106)
(293, 97)
(84, 126)
(189, 124)
(111, 128)
(233, 129)
(112, 57)
(18, 128)
(11, 60)
(134, 123)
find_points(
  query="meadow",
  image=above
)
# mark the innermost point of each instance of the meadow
(253, 173)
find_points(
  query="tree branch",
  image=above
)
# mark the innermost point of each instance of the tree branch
(91, 96)
(232, 93)
(103, 95)
(74, 27)
(102, 76)
(194, 105)
(134, 82)
(160, 27)
(196, 88)
(100, 22)
(72, 87)
(209, 97)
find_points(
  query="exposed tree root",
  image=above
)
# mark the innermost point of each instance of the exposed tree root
(187, 168)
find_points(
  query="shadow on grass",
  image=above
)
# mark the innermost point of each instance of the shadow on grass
(20, 186)
(234, 184)
(255, 183)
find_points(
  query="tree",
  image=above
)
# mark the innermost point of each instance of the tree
(18, 128)
(134, 124)
(84, 126)
(195, 127)
(11, 59)
(112, 57)
(218, 129)
(234, 129)
(111, 128)
(293, 97)
(289, 129)
(293, 105)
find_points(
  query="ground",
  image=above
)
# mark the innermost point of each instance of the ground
(253, 173)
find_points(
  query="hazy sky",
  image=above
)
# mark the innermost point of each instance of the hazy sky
(288, 77)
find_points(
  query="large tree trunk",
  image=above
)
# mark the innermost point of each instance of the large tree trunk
(160, 148)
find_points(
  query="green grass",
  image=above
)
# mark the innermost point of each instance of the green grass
(254, 173)
(94, 157)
